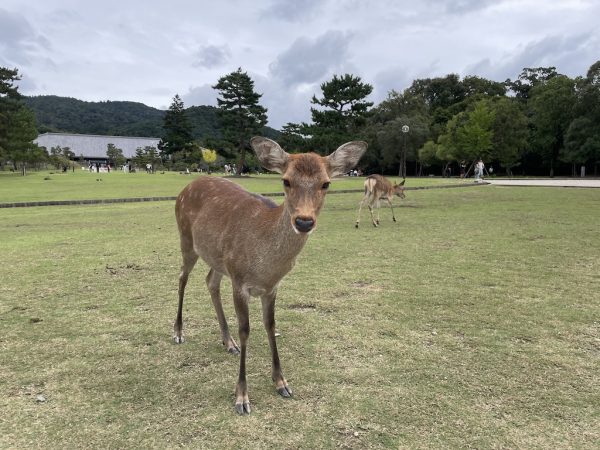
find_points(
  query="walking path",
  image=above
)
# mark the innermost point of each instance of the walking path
(552, 182)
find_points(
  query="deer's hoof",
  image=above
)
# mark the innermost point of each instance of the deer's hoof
(232, 347)
(243, 408)
(285, 391)
(178, 339)
(394, 219)
(233, 350)
(356, 225)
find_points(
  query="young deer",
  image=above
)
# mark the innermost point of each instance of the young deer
(253, 241)
(378, 188)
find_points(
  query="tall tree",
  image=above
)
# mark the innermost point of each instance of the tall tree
(240, 113)
(21, 132)
(9, 103)
(552, 108)
(468, 134)
(582, 142)
(529, 78)
(342, 113)
(17, 124)
(399, 146)
(294, 137)
(177, 129)
(510, 132)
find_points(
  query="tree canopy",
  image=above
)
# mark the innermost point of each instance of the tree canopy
(240, 112)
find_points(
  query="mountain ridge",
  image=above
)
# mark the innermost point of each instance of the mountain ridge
(55, 114)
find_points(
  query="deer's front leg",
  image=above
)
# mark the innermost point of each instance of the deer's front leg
(240, 300)
(389, 200)
(268, 308)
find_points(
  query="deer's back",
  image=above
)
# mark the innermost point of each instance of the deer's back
(377, 185)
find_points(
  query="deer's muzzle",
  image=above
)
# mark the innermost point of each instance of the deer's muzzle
(304, 224)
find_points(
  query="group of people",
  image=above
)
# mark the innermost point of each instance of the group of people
(97, 167)
(479, 170)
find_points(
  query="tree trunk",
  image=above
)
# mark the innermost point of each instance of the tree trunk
(242, 157)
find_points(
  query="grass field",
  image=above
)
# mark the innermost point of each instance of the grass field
(80, 185)
(473, 322)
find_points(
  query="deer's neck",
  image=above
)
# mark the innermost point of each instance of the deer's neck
(284, 238)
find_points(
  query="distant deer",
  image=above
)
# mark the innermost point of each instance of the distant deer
(253, 241)
(378, 188)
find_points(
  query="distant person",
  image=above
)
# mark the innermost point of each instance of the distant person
(479, 168)
(463, 167)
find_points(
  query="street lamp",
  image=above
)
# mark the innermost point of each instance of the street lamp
(402, 172)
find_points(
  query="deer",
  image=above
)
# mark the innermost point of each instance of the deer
(254, 241)
(377, 188)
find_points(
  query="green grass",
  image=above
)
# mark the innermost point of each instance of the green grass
(82, 185)
(473, 322)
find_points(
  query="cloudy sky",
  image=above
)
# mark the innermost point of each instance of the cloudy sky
(148, 51)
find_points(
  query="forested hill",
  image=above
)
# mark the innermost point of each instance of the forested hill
(116, 118)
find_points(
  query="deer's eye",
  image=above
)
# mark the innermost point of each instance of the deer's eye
(325, 185)
(286, 183)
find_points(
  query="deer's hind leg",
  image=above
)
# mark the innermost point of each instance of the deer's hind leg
(189, 261)
(360, 205)
(213, 281)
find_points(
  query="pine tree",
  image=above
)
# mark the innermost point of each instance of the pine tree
(177, 129)
(17, 124)
(240, 113)
(344, 113)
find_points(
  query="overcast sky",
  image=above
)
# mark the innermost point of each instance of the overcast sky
(148, 51)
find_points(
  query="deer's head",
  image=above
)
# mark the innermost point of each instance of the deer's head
(399, 189)
(306, 176)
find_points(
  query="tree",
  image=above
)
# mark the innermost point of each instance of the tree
(177, 129)
(115, 155)
(468, 134)
(240, 113)
(398, 146)
(18, 132)
(476, 86)
(510, 132)
(428, 154)
(343, 114)
(9, 105)
(582, 141)
(294, 137)
(552, 107)
(528, 79)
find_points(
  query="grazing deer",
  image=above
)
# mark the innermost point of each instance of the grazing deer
(377, 188)
(253, 241)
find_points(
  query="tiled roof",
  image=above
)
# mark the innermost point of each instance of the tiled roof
(94, 146)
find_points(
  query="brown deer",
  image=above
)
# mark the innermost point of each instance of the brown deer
(253, 241)
(378, 188)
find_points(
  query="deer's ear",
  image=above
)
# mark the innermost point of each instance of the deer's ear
(345, 157)
(401, 183)
(271, 155)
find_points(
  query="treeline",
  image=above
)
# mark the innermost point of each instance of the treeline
(542, 123)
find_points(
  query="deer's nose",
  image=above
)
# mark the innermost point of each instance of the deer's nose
(304, 224)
